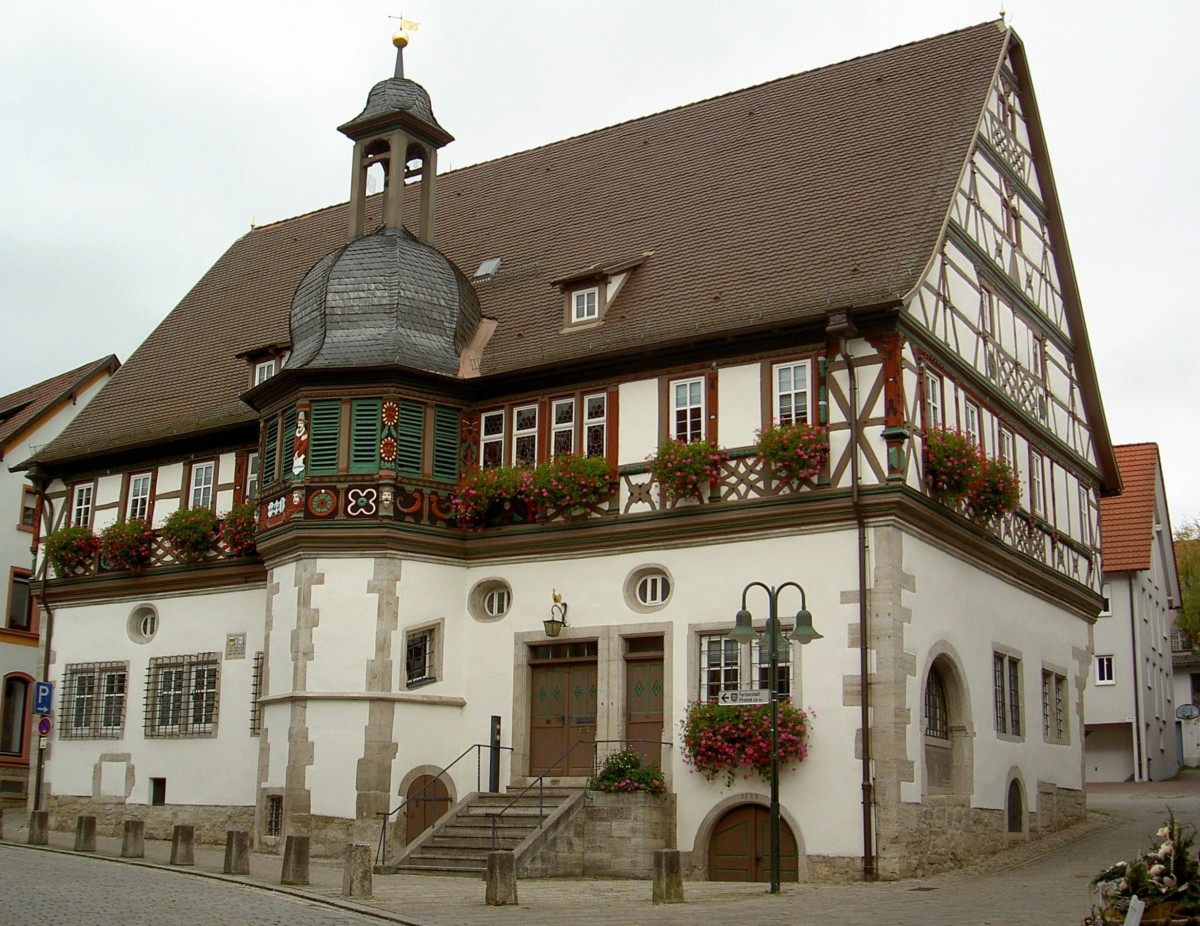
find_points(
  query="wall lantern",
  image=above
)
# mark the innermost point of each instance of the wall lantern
(558, 616)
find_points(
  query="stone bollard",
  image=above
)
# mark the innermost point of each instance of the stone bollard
(501, 879)
(183, 842)
(237, 853)
(133, 839)
(295, 861)
(668, 877)
(85, 833)
(356, 875)
(39, 827)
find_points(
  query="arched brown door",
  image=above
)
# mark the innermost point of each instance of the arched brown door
(740, 847)
(426, 801)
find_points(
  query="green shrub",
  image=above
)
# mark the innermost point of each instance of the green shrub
(623, 772)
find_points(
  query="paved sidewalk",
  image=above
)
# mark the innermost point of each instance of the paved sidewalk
(1041, 882)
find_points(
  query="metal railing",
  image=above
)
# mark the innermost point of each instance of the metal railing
(552, 770)
(381, 851)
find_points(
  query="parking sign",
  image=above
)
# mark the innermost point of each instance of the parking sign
(43, 697)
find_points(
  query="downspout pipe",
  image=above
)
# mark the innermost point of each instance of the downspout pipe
(842, 328)
(1139, 750)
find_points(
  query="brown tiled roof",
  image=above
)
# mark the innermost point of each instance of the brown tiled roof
(767, 205)
(1127, 520)
(20, 409)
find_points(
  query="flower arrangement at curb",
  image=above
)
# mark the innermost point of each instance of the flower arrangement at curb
(686, 470)
(191, 533)
(70, 549)
(481, 492)
(725, 740)
(127, 545)
(237, 530)
(794, 452)
(1166, 877)
(957, 471)
(567, 483)
(624, 773)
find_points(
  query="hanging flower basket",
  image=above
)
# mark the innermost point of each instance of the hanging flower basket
(71, 549)
(191, 533)
(952, 463)
(128, 545)
(995, 491)
(485, 495)
(724, 741)
(238, 529)
(793, 452)
(687, 470)
(568, 483)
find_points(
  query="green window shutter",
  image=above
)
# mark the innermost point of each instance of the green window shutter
(270, 450)
(285, 449)
(445, 444)
(410, 431)
(364, 435)
(324, 430)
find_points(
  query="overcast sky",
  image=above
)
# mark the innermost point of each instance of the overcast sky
(139, 139)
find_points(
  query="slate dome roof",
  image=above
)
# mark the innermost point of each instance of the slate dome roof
(383, 299)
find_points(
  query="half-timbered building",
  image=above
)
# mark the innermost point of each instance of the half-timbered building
(874, 247)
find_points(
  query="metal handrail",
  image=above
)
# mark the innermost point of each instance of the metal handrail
(540, 781)
(381, 851)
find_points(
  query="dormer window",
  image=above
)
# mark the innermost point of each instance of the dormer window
(264, 371)
(585, 305)
(265, 361)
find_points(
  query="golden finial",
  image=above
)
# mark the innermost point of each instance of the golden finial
(404, 27)
(556, 596)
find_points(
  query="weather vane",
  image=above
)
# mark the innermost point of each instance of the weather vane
(400, 39)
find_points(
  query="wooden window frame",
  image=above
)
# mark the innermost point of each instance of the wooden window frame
(1007, 680)
(776, 392)
(497, 438)
(975, 434)
(190, 487)
(525, 433)
(1037, 484)
(587, 317)
(21, 757)
(433, 632)
(76, 489)
(934, 400)
(1104, 668)
(32, 527)
(674, 409)
(264, 370)
(17, 575)
(99, 700)
(148, 514)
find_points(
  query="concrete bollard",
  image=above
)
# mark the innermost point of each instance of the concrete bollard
(295, 861)
(356, 875)
(237, 853)
(501, 879)
(85, 833)
(39, 827)
(183, 843)
(668, 877)
(133, 839)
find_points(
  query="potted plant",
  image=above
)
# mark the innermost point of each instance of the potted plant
(1166, 877)
(127, 545)
(995, 491)
(70, 549)
(237, 530)
(951, 464)
(724, 740)
(567, 483)
(686, 470)
(485, 494)
(191, 533)
(793, 452)
(624, 773)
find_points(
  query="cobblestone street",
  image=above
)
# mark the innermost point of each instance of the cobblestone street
(1042, 882)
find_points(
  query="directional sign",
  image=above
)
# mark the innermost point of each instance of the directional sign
(44, 726)
(43, 697)
(751, 696)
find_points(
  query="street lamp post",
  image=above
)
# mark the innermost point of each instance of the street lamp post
(774, 638)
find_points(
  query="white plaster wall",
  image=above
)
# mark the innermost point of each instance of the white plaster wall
(1111, 636)
(344, 638)
(216, 769)
(170, 479)
(973, 612)
(739, 404)
(637, 427)
(336, 730)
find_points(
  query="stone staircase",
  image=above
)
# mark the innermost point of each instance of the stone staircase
(458, 843)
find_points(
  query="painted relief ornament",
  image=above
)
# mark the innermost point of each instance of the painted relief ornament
(362, 503)
(300, 444)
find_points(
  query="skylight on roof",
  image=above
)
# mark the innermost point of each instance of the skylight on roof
(487, 269)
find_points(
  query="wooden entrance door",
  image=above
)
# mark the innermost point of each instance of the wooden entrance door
(426, 801)
(740, 847)
(563, 713)
(644, 707)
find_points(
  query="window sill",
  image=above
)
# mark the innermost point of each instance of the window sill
(419, 683)
(1011, 737)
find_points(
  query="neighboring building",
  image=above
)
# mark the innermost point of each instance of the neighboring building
(29, 419)
(874, 245)
(1185, 663)
(1130, 702)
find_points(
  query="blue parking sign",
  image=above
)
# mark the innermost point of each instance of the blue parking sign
(43, 697)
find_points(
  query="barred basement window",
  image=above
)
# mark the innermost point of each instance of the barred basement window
(273, 815)
(181, 695)
(93, 700)
(936, 714)
(256, 684)
(418, 658)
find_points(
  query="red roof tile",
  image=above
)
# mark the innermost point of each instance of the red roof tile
(22, 408)
(1127, 520)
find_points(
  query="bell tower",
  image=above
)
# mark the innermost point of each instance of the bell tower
(398, 131)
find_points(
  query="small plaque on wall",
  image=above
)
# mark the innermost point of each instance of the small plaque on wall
(235, 646)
